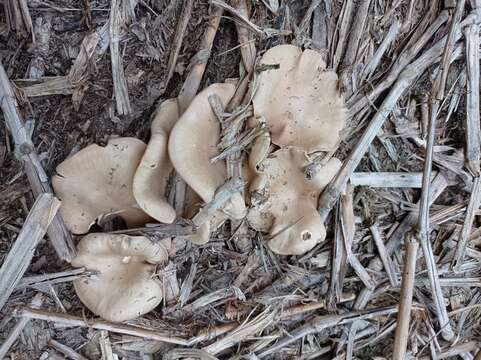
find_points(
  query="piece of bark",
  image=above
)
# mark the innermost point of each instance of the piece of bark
(21, 253)
(36, 302)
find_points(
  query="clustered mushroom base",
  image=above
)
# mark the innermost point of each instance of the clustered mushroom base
(297, 103)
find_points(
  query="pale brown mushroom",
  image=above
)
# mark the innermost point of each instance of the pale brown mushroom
(123, 285)
(96, 183)
(299, 99)
(152, 175)
(286, 204)
(193, 142)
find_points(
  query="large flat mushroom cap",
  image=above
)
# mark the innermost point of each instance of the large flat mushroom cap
(193, 142)
(152, 175)
(289, 211)
(124, 287)
(300, 99)
(97, 182)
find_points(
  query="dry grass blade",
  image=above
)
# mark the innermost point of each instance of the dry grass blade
(320, 323)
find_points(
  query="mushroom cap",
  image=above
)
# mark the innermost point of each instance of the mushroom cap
(124, 287)
(193, 142)
(152, 175)
(289, 210)
(97, 182)
(300, 100)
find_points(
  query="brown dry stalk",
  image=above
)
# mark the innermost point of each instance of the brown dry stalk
(405, 304)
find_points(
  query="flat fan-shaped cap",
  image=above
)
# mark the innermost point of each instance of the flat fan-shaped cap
(124, 286)
(152, 175)
(300, 99)
(193, 142)
(289, 212)
(97, 182)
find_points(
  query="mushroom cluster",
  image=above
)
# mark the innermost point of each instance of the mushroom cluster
(297, 103)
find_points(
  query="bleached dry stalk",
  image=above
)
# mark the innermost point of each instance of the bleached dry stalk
(338, 261)
(18, 17)
(247, 46)
(388, 179)
(57, 232)
(106, 346)
(191, 86)
(199, 61)
(178, 39)
(473, 206)
(348, 227)
(320, 323)
(410, 73)
(405, 303)
(438, 185)
(381, 50)
(473, 133)
(52, 278)
(69, 320)
(244, 330)
(222, 195)
(343, 31)
(212, 332)
(423, 220)
(19, 257)
(384, 256)
(117, 21)
(395, 73)
(451, 40)
(423, 230)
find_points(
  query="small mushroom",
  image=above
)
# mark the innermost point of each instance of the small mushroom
(152, 175)
(193, 142)
(123, 286)
(96, 183)
(288, 209)
(299, 99)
